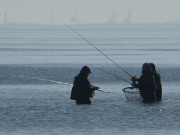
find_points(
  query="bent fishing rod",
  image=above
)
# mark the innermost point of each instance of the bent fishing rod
(57, 82)
(95, 47)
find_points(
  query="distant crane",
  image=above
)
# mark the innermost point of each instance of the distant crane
(128, 19)
(113, 18)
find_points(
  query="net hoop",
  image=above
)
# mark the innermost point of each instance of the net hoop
(132, 94)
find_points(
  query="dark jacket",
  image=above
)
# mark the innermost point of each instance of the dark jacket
(147, 86)
(81, 90)
(158, 86)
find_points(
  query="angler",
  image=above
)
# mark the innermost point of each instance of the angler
(146, 84)
(82, 90)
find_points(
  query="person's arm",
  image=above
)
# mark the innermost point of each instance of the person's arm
(94, 87)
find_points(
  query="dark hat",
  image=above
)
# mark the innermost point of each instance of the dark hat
(146, 67)
(85, 69)
(153, 66)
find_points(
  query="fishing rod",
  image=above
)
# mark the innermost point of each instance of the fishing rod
(57, 82)
(114, 75)
(95, 47)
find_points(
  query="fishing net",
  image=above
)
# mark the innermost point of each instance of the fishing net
(132, 94)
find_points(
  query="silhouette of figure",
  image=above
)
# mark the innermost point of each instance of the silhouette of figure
(82, 90)
(157, 76)
(146, 84)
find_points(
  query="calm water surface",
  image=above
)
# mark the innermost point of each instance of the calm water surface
(30, 106)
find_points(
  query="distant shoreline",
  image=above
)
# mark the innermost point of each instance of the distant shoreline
(91, 26)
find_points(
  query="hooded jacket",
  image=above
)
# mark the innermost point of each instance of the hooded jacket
(147, 86)
(159, 86)
(81, 88)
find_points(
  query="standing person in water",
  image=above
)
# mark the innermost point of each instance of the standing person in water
(82, 90)
(146, 84)
(157, 76)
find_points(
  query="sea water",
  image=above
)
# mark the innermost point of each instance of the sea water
(33, 106)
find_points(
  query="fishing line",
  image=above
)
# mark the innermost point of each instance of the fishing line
(57, 82)
(95, 47)
(41, 79)
(114, 75)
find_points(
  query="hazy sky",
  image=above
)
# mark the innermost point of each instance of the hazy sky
(88, 11)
